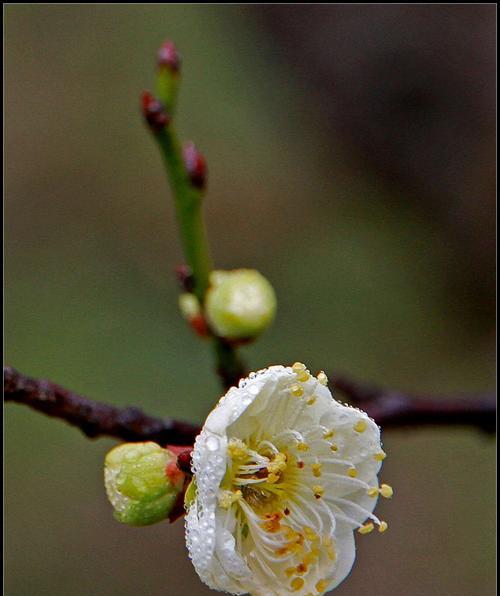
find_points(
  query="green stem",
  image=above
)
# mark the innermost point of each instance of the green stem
(188, 206)
(230, 368)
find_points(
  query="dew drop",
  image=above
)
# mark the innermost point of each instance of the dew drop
(212, 443)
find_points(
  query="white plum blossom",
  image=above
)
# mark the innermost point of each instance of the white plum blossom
(284, 475)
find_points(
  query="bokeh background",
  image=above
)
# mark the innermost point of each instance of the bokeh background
(351, 155)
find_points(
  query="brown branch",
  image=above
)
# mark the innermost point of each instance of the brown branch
(391, 409)
(92, 418)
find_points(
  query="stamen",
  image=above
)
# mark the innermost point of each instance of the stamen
(367, 528)
(297, 584)
(301, 568)
(302, 446)
(383, 526)
(318, 491)
(322, 378)
(300, 370)
(311, 400)
(310, 534)
(297, 390)
(380, 456)
(321, 586)
(272, 523)
(329, 434)
(298, 367)
(227, 498)
(237, 449)
(360, 426)
(372, 492)
(386, 491)
(352, 472)
(316, 468)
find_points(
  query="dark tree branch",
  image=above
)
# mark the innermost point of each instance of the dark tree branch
(390, 409)
(92, 418)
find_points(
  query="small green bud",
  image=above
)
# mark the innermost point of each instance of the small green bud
(189, 306)
(240, 304)
(142, 482)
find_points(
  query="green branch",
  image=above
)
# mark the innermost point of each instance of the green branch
(186, 172)
(188, 205)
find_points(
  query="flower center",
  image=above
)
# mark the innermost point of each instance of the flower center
(256, 473)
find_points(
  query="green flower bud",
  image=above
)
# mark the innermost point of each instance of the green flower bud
(240, 304)
(189, 306)
(142, 482)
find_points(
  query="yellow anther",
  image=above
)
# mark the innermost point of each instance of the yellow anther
(322, 378)
(237, 449)
(310, 534)
(297, 390)
(330, 551)
(302, 446)
(326, 541)
(334, 447)
(352, 472)
(278, 464)
(290, 571)
(321, 586)
(318, 491)
(329, 434)
(300, 370)
(316, 468)
(297, 584)
(360, 426)
(310, 557)
(311, 400)
(227, 498)
(383, 526)
(367, 528)
(291, 534)
(272, 478)
(272, 523)
(301, 568)
(372, 492)
(386, 491)
(380, 456)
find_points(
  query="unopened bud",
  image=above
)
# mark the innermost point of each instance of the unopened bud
(169, 57)
(191, 311)
(154, 113)
(142, 482)
(185, 277)
(196, 165)
(240, 304)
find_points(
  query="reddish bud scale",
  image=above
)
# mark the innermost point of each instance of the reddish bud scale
(185, 278)
(196, 166)
(184, 461)
(169, 57)
(154, 112)
(199, 325)
(173, 473)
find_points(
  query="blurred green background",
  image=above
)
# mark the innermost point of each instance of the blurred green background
(351, 160)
